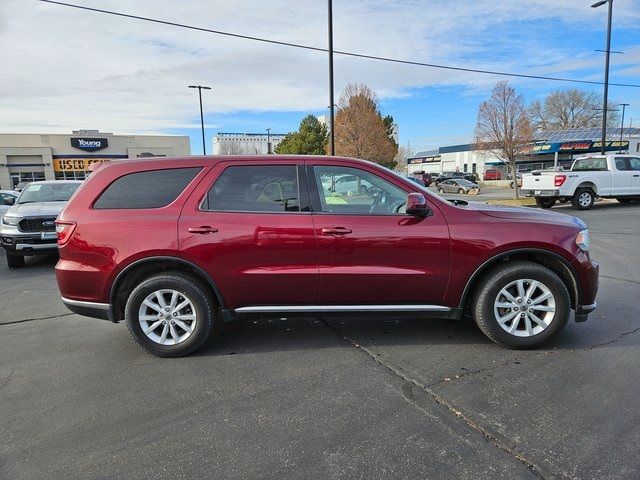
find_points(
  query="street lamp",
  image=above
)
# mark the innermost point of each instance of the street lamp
(200, 88)
(268, 141)
(606, 71)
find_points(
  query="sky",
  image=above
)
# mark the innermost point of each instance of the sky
(66, 69)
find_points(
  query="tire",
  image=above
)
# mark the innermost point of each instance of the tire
(545, 202)
(583, 199)
(461, 191)
(202, 307)
(624, 200)
(441, 190)
(14, 261)
(529, 333)
(511, 185)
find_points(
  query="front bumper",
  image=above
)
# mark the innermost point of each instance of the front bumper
(27, 244)
(540, 193)
(88, 309)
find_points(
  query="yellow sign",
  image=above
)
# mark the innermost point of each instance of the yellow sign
(75, 164)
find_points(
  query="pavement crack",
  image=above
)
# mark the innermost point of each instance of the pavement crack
(407, 393)
(5, 383)
(37, 318)
(615, 340)
(620, 279)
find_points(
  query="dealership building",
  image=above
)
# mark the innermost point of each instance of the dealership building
(29, 157)
(557, 146)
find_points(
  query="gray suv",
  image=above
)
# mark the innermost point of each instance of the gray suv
(28, 227)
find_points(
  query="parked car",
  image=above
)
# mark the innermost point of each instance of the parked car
(447, 175)
(415, 180)
(459, 185)
(426, 178)
(609, 176)
(208, 248)
(28, 227)
(518, 180)
(7, 198)
(492, 174)
(349, 185)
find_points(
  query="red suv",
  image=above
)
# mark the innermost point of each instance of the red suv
(177, 247)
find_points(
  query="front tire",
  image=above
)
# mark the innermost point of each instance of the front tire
(441, 190)
(171, 315)
(14, 261)
(583, 199)
(545, 202)
(461, 191)
(521, 305)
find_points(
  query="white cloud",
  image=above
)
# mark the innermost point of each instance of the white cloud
(65, 68)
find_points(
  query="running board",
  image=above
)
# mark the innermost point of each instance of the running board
(341, 308)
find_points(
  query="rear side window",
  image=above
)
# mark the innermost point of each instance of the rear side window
(590, 164)
(255, 188)
(150, 189)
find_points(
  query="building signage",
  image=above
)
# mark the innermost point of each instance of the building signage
(89, 144)
(414, 161)
(585, 146)
(75, 164)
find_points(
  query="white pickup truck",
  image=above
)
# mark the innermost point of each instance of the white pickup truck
(608, 176)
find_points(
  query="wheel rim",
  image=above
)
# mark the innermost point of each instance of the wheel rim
(524, 308)
(584, 199)
(167, 317)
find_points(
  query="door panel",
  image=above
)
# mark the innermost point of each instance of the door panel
(263, 250)
(378, 258)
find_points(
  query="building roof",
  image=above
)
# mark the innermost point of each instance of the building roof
(585, 134)
(426, 153)
(252, 134)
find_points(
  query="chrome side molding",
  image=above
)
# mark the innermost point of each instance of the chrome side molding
(341, 308)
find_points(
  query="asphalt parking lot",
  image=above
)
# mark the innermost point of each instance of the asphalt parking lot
(325, 398)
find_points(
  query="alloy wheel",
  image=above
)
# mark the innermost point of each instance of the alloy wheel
(167, 317)
(524, 307)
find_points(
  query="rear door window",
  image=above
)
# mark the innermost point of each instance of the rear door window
(149, 189)
(590, 164)
(255, 188)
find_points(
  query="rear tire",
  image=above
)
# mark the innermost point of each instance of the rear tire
(14, 261)
(551, 313)
(184, 329)
(583, 199)
(441, 190)
(461, 191)
(545, 202)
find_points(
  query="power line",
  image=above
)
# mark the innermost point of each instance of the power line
(337, 52)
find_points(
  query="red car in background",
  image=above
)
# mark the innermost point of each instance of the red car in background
(178, 246)
(492, 174)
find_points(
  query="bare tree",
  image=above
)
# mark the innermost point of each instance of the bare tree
(571, 108)
(360, 130)
(230, 147)
(503, 126)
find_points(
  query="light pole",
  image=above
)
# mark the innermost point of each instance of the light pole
(200, 88)
(624, 106)
(332, 143)
(606, 71)
(268, 141)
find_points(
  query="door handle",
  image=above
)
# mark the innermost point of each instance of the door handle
(204, 230)
(336, 231)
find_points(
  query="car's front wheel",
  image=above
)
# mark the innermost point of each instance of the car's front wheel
(14, 261)
(441, 190)
(521, 305)
(171, 315)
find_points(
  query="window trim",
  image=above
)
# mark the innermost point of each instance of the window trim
(303, 190)
(316, 204)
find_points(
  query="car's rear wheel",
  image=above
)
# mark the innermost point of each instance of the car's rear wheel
(461, 191)
(14, 261)
(441, 190)
(521, 305)
(545, 202)
(171, 315)
(583, 199)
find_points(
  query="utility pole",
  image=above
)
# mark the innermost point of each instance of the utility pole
(606, 71)
(624, 106)
(200, 88)
(332, 143)
(268, 141)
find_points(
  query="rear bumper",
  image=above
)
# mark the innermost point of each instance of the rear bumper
(88, 309)
(540, 193)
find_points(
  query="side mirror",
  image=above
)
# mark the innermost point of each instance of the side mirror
(9, 200)
(417, 205)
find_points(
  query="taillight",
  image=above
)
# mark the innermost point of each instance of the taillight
(559, 180)
(64, 230)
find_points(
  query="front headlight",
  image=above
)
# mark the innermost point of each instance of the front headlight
(10, 220)
(582, 240)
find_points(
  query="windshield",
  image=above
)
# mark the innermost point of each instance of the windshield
(47, 192)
